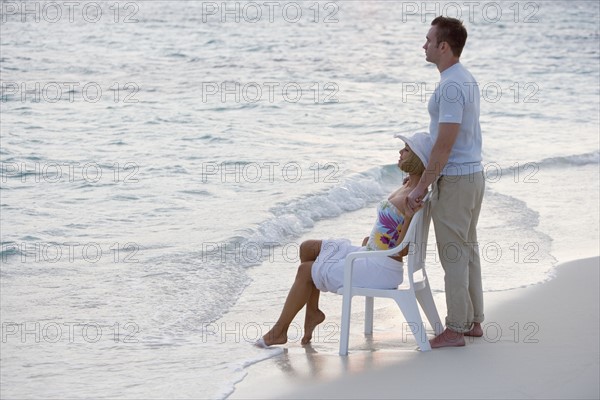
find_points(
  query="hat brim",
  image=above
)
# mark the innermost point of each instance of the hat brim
(417, 143)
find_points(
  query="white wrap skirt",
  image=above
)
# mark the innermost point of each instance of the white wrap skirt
(377, 273)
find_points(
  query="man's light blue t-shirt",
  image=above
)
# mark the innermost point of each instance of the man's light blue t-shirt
(456, 100)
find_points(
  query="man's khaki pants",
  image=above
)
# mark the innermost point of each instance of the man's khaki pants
(456, 203)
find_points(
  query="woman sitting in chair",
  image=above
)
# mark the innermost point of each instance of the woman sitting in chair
(322, 261)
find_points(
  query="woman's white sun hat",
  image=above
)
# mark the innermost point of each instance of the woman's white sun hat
(420, 143)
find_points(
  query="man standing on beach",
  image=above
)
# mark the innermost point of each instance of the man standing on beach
(456, 172)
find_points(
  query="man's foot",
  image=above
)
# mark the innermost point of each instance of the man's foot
(448, 338)
(475, 331)
(310, 323)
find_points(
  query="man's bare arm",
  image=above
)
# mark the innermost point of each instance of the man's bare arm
(437, 161)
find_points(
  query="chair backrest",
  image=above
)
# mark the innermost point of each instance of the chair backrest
(417, 236)
(421, 237)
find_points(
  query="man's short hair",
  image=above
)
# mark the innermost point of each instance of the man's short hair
(452, 31)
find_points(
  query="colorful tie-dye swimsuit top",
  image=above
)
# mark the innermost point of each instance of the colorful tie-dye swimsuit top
(386, 232)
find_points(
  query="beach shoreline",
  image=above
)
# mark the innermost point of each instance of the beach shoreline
(540, 342)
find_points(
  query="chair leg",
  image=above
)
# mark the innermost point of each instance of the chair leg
(427, 303)
(410, 310)
(368, 315)
(345, 329)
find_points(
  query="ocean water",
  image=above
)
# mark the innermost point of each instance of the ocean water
(162, 161)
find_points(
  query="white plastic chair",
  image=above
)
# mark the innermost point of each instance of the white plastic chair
(406, 295)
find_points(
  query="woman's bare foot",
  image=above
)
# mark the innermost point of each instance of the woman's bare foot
(275, 336)
(310, 323)
(448, 338)
(475, 331)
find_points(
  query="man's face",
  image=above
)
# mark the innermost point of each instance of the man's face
(431, 46)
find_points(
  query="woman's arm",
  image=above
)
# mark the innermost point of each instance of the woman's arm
(365, 241)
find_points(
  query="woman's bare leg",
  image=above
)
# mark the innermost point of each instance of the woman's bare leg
(298, 296)
(303, 292)
(309, 251)
(313, 316)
